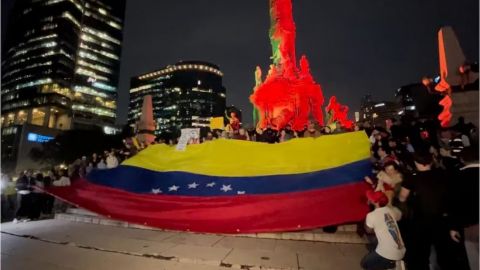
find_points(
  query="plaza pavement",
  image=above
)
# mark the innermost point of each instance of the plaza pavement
(63, 244)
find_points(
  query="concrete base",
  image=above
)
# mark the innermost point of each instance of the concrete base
(345, 233)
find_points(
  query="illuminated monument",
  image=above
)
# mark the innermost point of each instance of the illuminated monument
(288, 95)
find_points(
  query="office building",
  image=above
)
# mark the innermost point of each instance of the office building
(60, 71)
(186, 94)
(61, 63)
(377, 112)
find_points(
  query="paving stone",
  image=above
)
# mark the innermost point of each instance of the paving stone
(197, 254)
(340, 237)
(63, 257)
(80, 211)
(308, 236)
(185, 248)
(16, 262)
(259, 258)
(299, 246)
(195, 239)
(62, 216)
(246, 243)
(348, 228)
(269, 235)
(332, 256)
(37, 226)
(49, 229)
(109, 222)
(113, 243)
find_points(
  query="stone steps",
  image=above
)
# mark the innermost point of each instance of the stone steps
(345, 233)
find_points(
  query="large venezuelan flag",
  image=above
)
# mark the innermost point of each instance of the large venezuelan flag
(232, 186)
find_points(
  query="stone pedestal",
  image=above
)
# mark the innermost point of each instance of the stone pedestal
(465, 103)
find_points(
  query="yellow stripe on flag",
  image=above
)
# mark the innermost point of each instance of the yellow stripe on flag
(244, 158)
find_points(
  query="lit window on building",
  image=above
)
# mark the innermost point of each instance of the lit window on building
(101, 35)
(104, 86)
(49, 26)
(38, 116)
(43, 45)
(104, 53)
(95, 66)
(21, 117)
(89, 91)
(69, 17)
(33, 83)
(9, 130)
(86, 72)
(10, 119)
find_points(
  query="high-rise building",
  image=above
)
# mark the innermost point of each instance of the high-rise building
(186, 94)
(61, 63)
(60, 71)
(377, 112)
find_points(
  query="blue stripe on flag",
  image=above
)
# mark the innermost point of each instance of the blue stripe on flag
(139, 180)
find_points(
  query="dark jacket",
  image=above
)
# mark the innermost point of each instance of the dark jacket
(464, 197)
(25, 183)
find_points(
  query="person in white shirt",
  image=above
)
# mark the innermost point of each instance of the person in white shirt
(112, 160)
(390, 247)
(101, 164)
(63, 181)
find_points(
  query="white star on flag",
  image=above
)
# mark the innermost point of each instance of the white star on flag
(156, 190)
(226, 188)
(211, 184)
(173, 188)
(193, 185)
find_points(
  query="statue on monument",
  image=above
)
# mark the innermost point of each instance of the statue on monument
(287, 96)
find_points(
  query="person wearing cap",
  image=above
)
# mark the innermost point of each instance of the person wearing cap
(390, 247)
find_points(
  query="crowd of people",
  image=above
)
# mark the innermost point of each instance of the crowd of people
(424, 187)
(267, 134)
(424, 193)
(21, 201)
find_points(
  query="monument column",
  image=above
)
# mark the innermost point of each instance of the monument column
(146, 124)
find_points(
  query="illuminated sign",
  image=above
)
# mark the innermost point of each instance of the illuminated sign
(34, 137)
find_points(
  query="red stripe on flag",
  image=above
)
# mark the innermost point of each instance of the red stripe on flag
(223, 214)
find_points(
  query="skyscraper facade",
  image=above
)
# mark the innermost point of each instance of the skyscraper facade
(186, 94)
(378, 112)
(60, 68)
(61, 63)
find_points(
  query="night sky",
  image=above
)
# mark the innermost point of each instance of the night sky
(354, 47)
